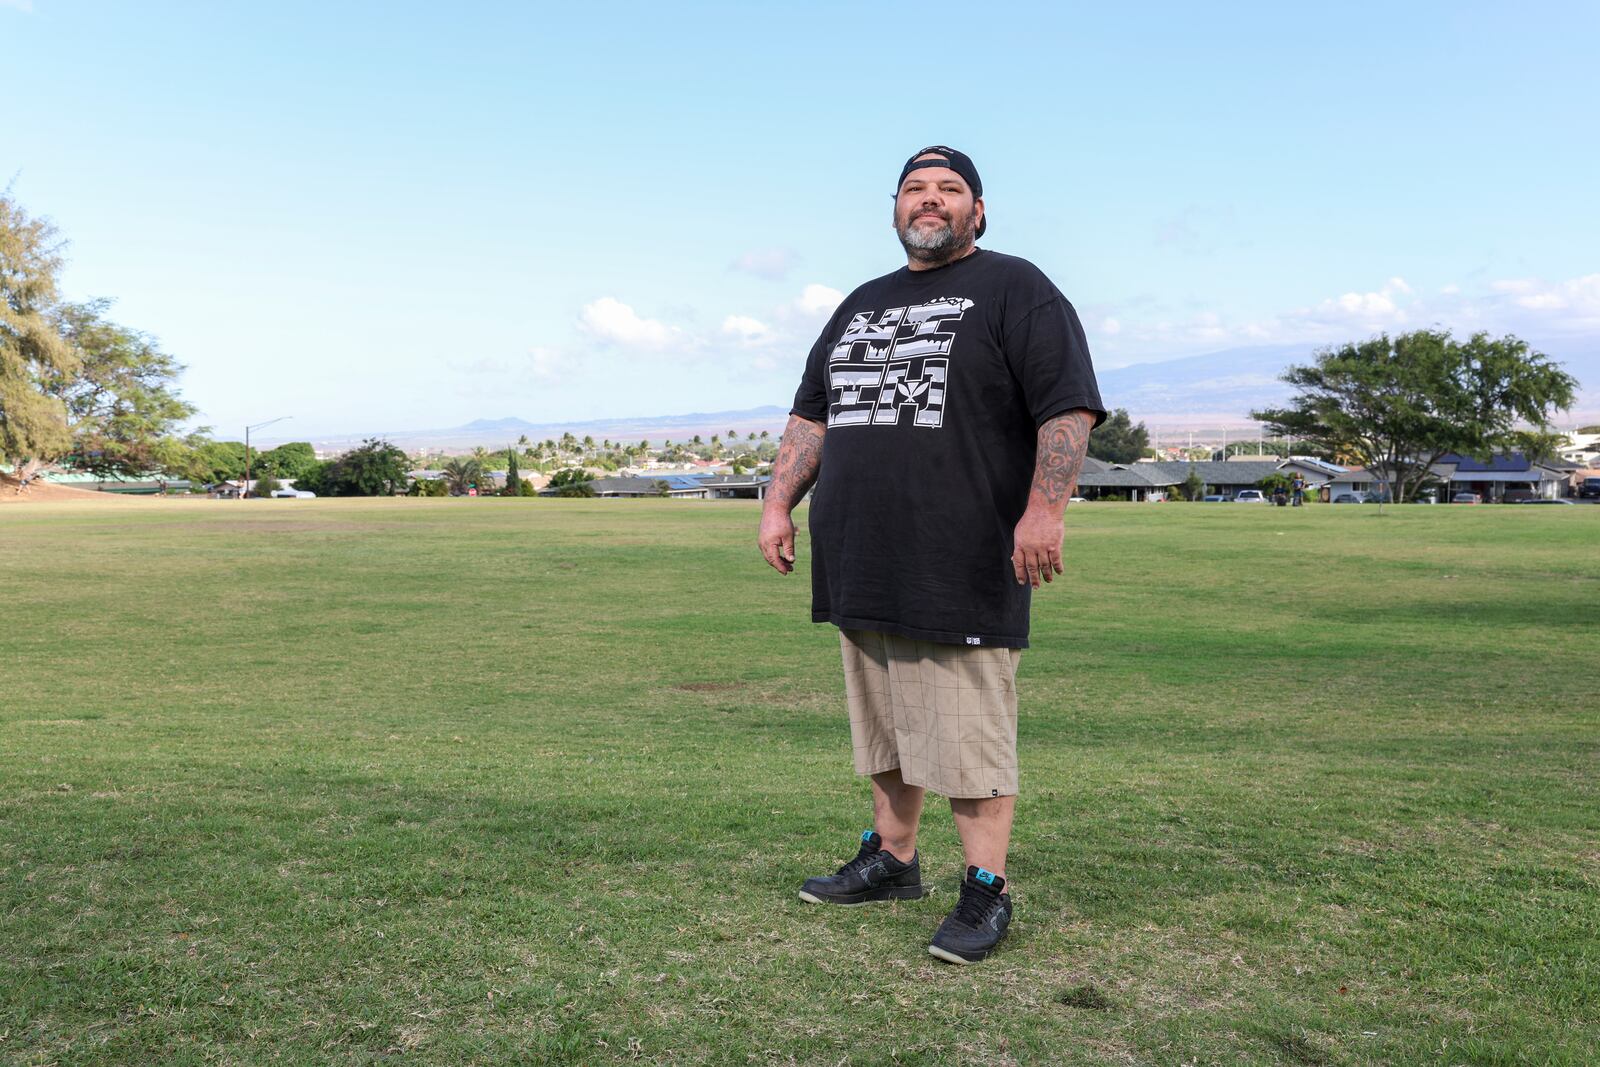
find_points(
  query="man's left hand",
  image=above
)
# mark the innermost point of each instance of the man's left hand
(1037, 556)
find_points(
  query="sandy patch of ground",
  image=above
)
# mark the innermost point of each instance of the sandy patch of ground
(46, 493)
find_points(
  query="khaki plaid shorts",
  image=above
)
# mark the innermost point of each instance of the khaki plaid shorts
(946, 715)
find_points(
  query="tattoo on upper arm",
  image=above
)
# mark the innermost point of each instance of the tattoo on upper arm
(1063, 441)
(799, 460)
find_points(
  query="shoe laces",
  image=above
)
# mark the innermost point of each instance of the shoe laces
(866, 855)
(974, 903)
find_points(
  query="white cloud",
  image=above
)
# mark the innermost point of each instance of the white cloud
(818, 299)
(546, 363)
(1110, 326)
(1528, 307)
(1578, 296)
(24, 6)
(771, 263)
(611, 320)
(746, 329)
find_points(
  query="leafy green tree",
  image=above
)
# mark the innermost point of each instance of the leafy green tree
(461, 475)
(317, 478)
(33, 421)
(574, 481)
(663, 489)
(527, 488)
(287, 460)
(1397, 405)
(428, 487)
(1194, 486)
(206, 461)
(376, 468)
(1118, 440)
(122, 407)
(266, 485)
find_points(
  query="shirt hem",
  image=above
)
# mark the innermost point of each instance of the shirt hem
(1083, 403)
(943, 637)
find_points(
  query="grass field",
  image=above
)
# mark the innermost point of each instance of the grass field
(534, 781)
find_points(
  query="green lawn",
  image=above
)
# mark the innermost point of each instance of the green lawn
(535, 781)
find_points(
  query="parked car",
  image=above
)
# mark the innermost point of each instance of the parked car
(1589, 488)
(1250, 496)
(1568, 503)
(293, 494)
(1215, 498)
(1466, 498)
(1350, 498)
(1519, 496)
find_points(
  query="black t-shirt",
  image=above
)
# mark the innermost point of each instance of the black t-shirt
(933, 385)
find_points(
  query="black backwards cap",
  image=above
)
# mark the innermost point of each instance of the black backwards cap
(959, 162)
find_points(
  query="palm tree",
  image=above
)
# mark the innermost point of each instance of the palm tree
(461, 475)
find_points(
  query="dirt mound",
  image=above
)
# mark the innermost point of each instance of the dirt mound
(42, 492)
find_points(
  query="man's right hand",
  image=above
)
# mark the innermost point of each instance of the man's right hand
(777, 540)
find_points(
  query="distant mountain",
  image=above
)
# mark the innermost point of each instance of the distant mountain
(1226, 386)
(1226, 383)
(497, 433)
(1216, 389)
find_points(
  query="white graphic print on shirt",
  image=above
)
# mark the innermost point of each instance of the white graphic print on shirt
(899, 364)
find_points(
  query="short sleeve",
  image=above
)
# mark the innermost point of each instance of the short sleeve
(1049, 356)
(811, 399)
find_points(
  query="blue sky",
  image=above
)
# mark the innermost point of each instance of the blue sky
(373, 216)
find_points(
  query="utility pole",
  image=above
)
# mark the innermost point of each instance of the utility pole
(244, 492)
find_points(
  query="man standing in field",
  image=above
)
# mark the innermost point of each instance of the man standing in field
(943, 417)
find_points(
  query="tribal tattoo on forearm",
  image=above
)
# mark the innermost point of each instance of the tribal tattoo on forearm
(1063, 441)
(799, 460)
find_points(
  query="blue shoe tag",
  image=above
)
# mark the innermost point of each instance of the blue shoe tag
(866, 835)
(987, 877)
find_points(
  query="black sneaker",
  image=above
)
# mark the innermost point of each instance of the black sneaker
(979, 921)
(873, 875)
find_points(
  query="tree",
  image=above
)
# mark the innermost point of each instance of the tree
(121, 404)
(461, 475)
(1118, 440)
(288, 460)
(1194, 486)
(513, 477)
(663, 488)
(206, 461)
(376, 468)
(428, 487)
(33, 422)
(266, 485)
(1397, 405)
(574, 481)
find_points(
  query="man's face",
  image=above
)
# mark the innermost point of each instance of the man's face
(935, 213)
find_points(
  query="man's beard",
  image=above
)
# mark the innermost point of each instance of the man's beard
(941, 245)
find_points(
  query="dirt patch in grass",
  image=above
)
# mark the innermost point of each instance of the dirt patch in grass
(1087, 997)
(709, 687)
(1298, 1050)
